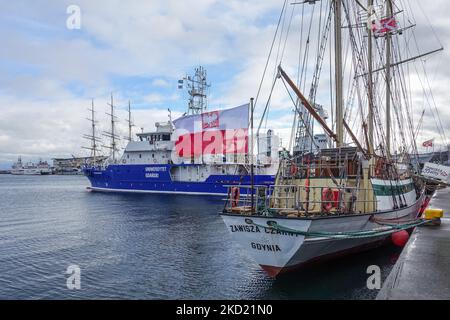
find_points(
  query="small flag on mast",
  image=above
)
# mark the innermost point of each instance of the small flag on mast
(428, 144)
(383, 26)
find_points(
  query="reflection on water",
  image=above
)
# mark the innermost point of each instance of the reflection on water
(145, 247)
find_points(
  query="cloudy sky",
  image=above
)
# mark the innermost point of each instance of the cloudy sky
(138, 49)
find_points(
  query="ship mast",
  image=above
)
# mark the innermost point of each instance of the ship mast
(92, 137)
(130, 123)
(252, 165)
(338, 74)
(113, 128)
(388, 81)
(112, 133)
(370, 14)
(197, 87)
(94, 144)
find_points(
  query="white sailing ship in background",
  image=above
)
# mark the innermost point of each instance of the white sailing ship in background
(365, 187)
(30, 168)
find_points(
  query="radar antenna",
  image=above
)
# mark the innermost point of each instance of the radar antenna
(197, 88)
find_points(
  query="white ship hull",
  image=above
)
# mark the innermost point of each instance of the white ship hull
(277, 251)
(30, 172)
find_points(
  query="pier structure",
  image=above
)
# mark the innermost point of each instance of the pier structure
(421, 272)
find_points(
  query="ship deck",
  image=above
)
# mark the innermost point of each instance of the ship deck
(286, 214)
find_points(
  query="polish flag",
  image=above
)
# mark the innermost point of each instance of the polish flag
(383, 26)
(428, 144)
(213, 133)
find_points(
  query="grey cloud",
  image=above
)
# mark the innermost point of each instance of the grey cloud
(152, 38)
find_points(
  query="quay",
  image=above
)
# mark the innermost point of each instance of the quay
(422, 270)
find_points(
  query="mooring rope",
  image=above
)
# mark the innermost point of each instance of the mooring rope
(346, 235)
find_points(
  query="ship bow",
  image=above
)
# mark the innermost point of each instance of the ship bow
(271, 249)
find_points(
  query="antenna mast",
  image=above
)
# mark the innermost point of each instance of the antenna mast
(197, 87)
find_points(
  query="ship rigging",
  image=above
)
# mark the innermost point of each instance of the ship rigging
(363, 187)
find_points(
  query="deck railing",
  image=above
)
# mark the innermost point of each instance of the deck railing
(300, 200)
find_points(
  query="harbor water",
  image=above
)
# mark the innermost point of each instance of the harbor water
(131, 246)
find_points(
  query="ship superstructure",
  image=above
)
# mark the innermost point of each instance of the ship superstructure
(30, 168)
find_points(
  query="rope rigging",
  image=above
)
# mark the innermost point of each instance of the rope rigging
(317, 18)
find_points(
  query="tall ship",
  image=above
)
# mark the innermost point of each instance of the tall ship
(364, 187)
(200, 153)
(30, 168)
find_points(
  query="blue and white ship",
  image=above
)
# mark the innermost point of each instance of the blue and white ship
(152, 165)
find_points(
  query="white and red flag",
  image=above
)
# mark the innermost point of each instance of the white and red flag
(213, 133)
(428, 144)
(383, 26)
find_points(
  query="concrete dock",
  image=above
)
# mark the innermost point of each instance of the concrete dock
(423, 270)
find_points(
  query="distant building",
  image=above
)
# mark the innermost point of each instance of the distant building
(74, 165)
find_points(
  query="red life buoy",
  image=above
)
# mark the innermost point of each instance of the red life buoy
(327, 199)
(235, 196)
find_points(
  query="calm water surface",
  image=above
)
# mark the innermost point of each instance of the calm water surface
(145, 247)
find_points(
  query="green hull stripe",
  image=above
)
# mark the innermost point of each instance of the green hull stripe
(394, 190)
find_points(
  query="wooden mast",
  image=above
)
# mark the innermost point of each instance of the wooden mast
(252, 165)
(130, 123)
(113, 128)
(307, 105)
(388, 81)
(112, 134)
(92, 137)
(338, 74)
(370, 125)
(94, 141)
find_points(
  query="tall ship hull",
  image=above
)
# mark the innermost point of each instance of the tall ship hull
(284, 243)
(168, 179)
(306, 217)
